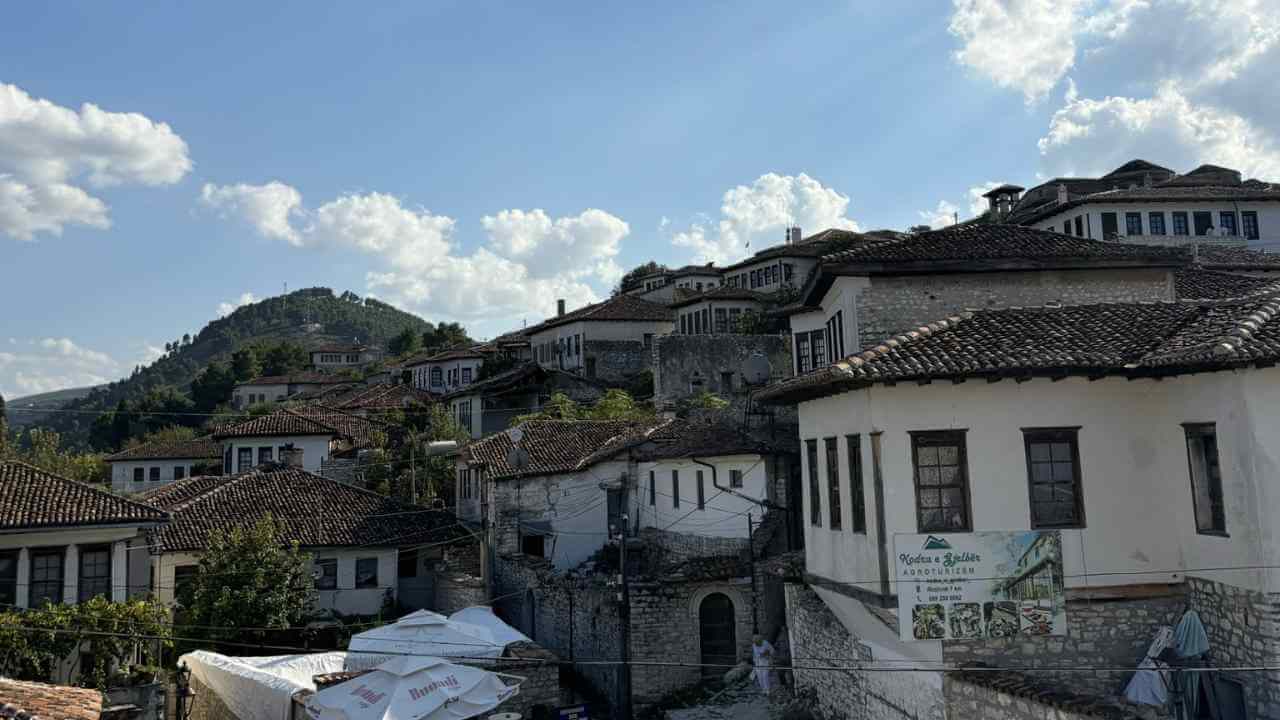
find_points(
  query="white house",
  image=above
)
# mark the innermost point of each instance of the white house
(788, 265)
(62, 541)
(446, 371)
(278, 388)
(364, 546)
(696, 278)
(716, 312)
(339, 357)
(1143, 202)
(315, 433)
(150, 465)
(610, 339)
(1144, 433)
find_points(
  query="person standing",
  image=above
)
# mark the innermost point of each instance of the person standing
(762, 658)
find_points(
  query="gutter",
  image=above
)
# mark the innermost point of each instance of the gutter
(714, 483)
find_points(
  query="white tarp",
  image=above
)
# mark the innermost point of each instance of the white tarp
(259, 688)
(474, 634)
(413, 688)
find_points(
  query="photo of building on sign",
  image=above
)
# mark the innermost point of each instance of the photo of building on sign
(980, 585)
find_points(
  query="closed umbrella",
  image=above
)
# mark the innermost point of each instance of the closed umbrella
(414, 688)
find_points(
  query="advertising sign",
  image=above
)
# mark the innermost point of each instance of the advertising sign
(969, 586)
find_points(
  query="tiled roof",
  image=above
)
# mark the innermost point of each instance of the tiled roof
(471, 351)
(1120, 339)
(707, 269)
(48, 702)
(199, 448)
(180, 491)
(1138, 166)
(1226, 257)
(32, 498)
(384, 397)
(814, 246)
(985, 242)
(682, 438)
(1198, 284)
(305, 420)
(313, 511)
(302, 378)
(621, 308)
(343, 349)
(554, 446)
(724, 292)
(529, 371)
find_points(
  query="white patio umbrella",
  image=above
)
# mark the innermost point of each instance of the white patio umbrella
(428, 633)
(414, 688)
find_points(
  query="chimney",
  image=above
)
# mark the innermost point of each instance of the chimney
(1146, 179)
(1062, 194)
(291, 456)
(793, 235)
(560, 307)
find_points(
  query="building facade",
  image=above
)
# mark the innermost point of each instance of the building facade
(147, 466)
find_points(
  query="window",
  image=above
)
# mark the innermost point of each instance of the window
(675, 488)
(407, 563)
(722, 321)
(788, 272)
(244, 459)
(179, 472)
(648, 341)
(183, 575)
(591, 367)
(835, 331)
(1206, 478)
(684, 324)
(1053, 474)
(153, 474)
(466, 376)
(437, 377)
(464, 479)
(464, 414)
(857, 501)
(139, 475)
(1155, 223)
(726, 382)
(1180, 225)
(833, 482)
(815, 494)
(264, 454)
(802, 354)
(1110, 226)
(1227, 221)
(8, 579)
(706, 320)
(735, 314)
(366, 572)
(1080, 225)
(735, 478)
(46, 577)
(1066, 228)
(533, 544)
(1249, 221)
(942, 488)
(1132, 223)
(1203, 222)
(95, 572)
(818, 344)
(702, 491)
(653, 488)
(327, 576)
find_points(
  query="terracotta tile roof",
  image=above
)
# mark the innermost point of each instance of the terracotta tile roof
(33, 498)
(683, 438)
(305, 420)
(1128, 340)
(724, 292)
(180, 491)
(622, 308)
(1001, 242)
(708, 269)
(529, 372)
(1198, 284)
(814, 246)
(199, 448)
(302, 378)
(314, 512)
(343, 349)
(554, 446)
(328, 393)
(1227, 257)
(49, 702)
(384, 398)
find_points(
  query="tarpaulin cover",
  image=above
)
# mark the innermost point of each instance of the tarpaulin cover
(413, 688)
(259, 688)
(474, 634)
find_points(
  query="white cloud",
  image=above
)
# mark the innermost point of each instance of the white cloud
(47, 150)
(46, 364)
(1023, 45)
(940, 217)
(1089, 136)
(754, 216)
(530, 259)
(226, 308)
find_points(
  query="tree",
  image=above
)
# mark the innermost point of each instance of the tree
(615, 405)
(186, 339)
(170, 434)
(212, 386)
(405, 342)
(445, 335)
(43, 449)
(636, 273)
(245, 364)
(284, 358)
(5, 446)
(247, 578)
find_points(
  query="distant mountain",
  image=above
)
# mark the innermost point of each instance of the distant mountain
(311, 317)
(31, 404)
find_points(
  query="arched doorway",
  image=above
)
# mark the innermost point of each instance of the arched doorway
(718, 630)
(530, 615)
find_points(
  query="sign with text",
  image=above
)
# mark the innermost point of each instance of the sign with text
(968, 586)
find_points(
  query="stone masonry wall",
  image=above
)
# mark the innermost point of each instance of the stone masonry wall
(1011, 696)
(616, 360)
(206, 705)
(893, 305)
(1244, 631)
(682, 546)
(680, 360)
(1100, 633)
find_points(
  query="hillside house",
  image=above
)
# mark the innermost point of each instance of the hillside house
(1141, 432)
(448, 370)
(610, 340)
(696, 278)
(716, 312)
(789, 265)
(278, 388)
(152, 464)
(368, 549)
(342, 357)
(309, 435)
(490, 405)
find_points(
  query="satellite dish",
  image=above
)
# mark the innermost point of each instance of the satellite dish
(756, 370)
(518, 458)
(516, 435)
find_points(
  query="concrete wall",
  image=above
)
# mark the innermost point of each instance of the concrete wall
(680, 360)
(315, 449)
(723, 515)
(1091, 216)
(122, 472)
(1134, 475)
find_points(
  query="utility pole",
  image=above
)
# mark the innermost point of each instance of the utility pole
(624, 670)
(751, 559)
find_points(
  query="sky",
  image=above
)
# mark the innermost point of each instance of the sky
(475, 162)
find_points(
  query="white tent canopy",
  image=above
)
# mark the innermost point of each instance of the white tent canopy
(413, 688)
(259, 688)
(473, 633)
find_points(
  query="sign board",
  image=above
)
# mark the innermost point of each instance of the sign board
(967, 586)
(573, 712)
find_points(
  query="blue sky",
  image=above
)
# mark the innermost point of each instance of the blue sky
(475, 162)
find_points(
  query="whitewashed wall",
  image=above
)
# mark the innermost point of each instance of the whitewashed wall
(122, 472)
(1133, 456)
(128, 553)
(634, 331)
(725, 513)
(1091, 214)
(240, 395)
(315, 448)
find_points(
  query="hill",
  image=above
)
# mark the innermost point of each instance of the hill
(43, 401)
(308, 318)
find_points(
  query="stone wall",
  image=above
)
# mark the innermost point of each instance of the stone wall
(682, 546)
(1244, 631)
(617, 361)
(206, 705)
(1013, 696)
(345, 471)
(891, 305)
(685, 365)
(541, 686)
(1100, 633)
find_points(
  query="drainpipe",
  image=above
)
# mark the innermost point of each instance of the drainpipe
(714, 483)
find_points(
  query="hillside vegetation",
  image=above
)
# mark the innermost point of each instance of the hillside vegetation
(280, 330)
